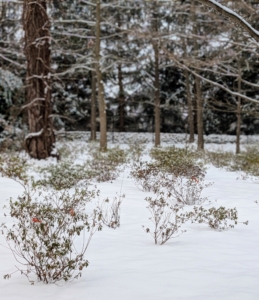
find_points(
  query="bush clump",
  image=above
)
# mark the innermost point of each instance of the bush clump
(42, 237)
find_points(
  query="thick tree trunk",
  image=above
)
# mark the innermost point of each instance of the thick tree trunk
(39, 142)
(239, 120)
(93, 107)
(121, 99)
(156, 81)
(101, 101)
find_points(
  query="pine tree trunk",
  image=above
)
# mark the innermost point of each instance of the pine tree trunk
(101, 101)
(156, 81)
(121, 99)
(93, 108)
(39, 142)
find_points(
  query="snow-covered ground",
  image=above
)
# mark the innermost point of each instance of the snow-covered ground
(125, 264)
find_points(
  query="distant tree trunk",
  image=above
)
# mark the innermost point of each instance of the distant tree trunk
(101, 101)
(39, 142)
(156, 81)
(93, 107)
(200, 143)
(121, 99)
(190, 107)
(239, 120)
(189, 100)
(199, 114)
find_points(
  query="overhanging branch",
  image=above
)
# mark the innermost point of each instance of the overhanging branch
(233, 16)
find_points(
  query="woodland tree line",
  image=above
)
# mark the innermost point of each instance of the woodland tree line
(131, 65)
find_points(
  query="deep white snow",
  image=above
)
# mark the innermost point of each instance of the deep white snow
(125, 264)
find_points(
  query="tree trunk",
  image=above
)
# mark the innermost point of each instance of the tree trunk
(39, 142)
(239, 120)
(101, 101)
(156, 81)
(189, 100)
(199, 114)
(93, 107)
(121, 99)
(200, 144)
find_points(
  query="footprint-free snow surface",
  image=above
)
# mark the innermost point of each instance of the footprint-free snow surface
(125, 264)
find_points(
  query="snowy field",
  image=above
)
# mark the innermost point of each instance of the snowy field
(125, 264)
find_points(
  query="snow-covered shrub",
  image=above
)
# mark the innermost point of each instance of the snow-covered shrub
(110, 211)
(174, 160)
(185, 184)
(217, 218)
(43, 234)
(63, 175)
(15, 167)
(136, 150)
(106, 165)
(146, 176)
(187, 191)
(246, 161)
(167, 218)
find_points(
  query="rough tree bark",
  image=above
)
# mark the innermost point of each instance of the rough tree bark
(100, 88)
(39, 142)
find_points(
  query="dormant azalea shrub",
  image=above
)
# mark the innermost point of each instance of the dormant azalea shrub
(187, 191)
(110, 211)
(185, 186)
(63, 175)
(174, 160)
(167, 219)
(66, 174)
(136, 150)
(43, 234)
(15, 167)
(216, 218)
(246, 161)
(106, 165)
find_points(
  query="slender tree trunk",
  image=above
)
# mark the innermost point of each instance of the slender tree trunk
(39, 142)
(121, 99)
(93, 107)
(200, 144)
(101, 101)
(156, 81)
(239, 120)
(199, 113)
(189, 100)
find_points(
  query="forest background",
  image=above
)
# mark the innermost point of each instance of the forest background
(131, 65)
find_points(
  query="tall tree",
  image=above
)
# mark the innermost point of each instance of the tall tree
(39, 142)
(99, 80)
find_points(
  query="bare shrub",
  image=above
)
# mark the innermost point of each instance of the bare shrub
(110, 211)
(167, 219)
(45, 225)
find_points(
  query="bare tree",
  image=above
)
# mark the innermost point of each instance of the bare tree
(99, 81)
(39, 142)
